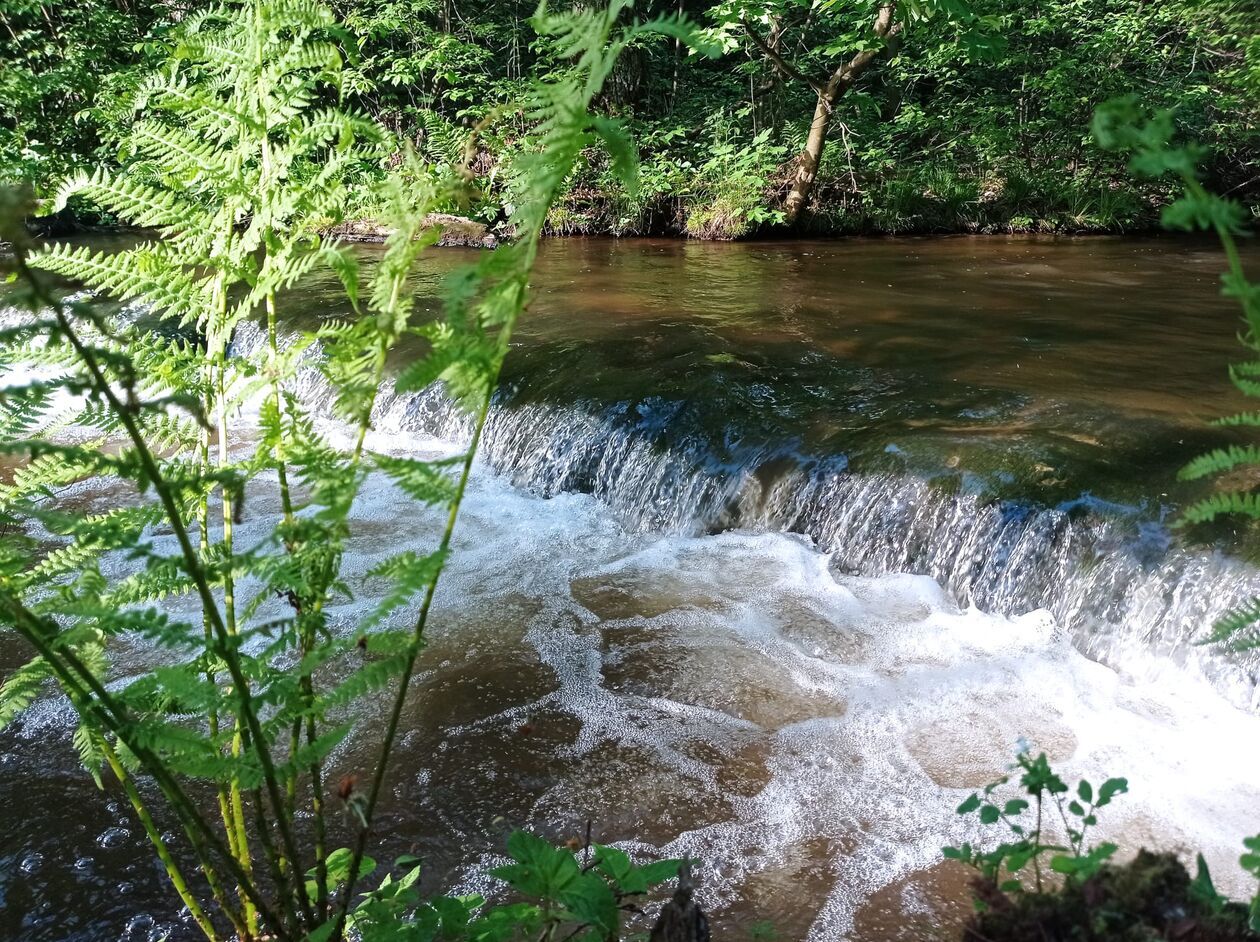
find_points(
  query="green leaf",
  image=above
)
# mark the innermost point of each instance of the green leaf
(969, 805)
(660, 870)
(1110, 789)
(338, 867)
(1203, 889)
(990, 814)
(616, 865)
(591, 901)
(322, 933)
(1018, 859)
(503, 923)
(540, 870)
(1066, 865)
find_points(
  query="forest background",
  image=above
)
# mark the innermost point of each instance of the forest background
(829, 117)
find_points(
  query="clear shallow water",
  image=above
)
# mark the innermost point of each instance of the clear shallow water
(715, 581)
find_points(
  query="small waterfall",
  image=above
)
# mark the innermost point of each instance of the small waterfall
(1126, 592)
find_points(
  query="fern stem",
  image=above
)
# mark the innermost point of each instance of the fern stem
(99, 703)
(173, 872)
(306, 632)
(227, 644)
(404, 682)
(275, 862)
(230, 827)
(236, 801)
(234, 821)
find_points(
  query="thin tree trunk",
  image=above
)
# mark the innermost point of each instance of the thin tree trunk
(807, 162)
(841, 80)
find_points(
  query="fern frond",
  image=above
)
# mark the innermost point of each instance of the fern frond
(127, 276)
(1240, 419)
(21, 689)
(410, 573)
(1218, 505)
(1243, 376)
(426, 482)
(185, 155)
(88, 745)
(1237, 628)
(1222, 459)
(139, 204)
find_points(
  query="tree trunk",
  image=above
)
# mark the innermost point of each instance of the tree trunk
(807, 162)
(841, 81)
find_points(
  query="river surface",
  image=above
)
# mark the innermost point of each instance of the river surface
(773, 553)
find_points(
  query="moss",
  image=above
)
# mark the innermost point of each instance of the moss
(1150, 898)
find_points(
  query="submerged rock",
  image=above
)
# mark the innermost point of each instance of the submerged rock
(455, 230)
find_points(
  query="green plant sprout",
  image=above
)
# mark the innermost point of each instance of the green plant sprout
(1048, 796)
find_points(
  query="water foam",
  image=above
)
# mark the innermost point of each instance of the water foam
(1125, 590)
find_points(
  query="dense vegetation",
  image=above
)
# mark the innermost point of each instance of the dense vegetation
(871, 115)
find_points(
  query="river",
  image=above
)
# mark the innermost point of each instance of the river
(773, 553)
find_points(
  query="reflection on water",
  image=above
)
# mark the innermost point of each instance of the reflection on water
(802, 721)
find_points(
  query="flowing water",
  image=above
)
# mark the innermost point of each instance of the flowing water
(772, 555)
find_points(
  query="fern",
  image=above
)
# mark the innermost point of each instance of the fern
(1119, 125)
(1218, 505)
(1219, 461)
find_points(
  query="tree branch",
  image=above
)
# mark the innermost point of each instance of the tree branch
(847, 73)
(785, 67)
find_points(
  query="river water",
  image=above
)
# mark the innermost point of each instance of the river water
(773, 553)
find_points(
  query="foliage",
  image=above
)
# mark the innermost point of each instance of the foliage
(1077, 889)
(1121, 125)
(1150, 142)
(1049, 797)
(63, 68)
(1149, 897)
(239, 150)
(728, 198)
(561, 897)
(973, 123)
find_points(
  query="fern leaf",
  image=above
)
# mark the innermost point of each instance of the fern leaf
(1218, 505)
(424, 481)
(21, 688)
(1229, 629)
(135, 202)
(1222, 459)
(410, 574)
